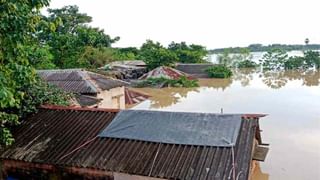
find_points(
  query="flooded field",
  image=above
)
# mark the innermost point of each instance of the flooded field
(291, 99)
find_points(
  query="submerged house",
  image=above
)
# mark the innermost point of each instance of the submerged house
(165, 72)
(127, 69)
(90, 89)
(83, 143)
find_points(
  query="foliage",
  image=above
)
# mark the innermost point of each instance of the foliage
(225, 58)
(165, 82)
(40, 57)
(20, 89)
(155, 55)
(278, 59)
(94, 57)
(72, 36)
(274, 59)
(247, 64)
(295, 62)
(129, 53)
(188, 53)
(219, 71)
(312, 58)
(243, 59)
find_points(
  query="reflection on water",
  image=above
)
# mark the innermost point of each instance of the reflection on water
(291, 98)
(257, 173)
(164, 97)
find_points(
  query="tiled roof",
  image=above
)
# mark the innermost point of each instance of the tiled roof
(166, 72)
(67, 137)
(79, 81)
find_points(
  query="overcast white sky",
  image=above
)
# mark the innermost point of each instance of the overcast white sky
(212, 23)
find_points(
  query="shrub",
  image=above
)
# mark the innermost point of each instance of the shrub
(247, 64)
(219, 71)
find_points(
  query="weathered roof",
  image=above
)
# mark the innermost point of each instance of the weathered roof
(133, 97)
(85, 100)
(204, 129)
(166, 72)
(79, 81)
(67, 137)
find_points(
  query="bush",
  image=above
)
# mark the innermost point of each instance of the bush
(219, 71)
(165, 82)
(247, 64)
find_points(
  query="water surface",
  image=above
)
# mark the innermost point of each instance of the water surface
(290, 98)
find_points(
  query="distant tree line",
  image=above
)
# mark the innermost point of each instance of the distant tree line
(262, 48)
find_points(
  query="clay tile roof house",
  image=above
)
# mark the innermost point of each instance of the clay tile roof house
(165, 72)
(90, 89)
(93, 143)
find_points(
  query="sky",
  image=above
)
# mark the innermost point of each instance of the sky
(212, 23)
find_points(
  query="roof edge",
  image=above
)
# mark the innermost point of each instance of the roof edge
(70, 108)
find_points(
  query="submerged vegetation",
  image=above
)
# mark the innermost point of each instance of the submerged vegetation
(240, 60)
(278, 59)
(219, 71)
(165, 82)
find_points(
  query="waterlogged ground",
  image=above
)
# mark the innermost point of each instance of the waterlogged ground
(292, 100)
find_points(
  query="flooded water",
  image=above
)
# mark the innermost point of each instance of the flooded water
(291, 99)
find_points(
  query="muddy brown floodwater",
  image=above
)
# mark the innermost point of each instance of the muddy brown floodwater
(292, 100)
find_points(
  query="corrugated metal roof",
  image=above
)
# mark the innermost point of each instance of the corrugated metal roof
(133, 97)
(79, 81)
(85, 100)
(68, 137)
(166, 72)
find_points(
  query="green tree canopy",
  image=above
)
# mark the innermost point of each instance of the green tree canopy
(188, 53)
(20, 89)
(72, 36)
(155, 55)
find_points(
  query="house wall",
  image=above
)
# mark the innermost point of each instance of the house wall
(113, 98)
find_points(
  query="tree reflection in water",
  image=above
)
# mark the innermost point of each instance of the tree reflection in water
(274, 79)
(164, 97)
(244, 75)
(216, 83)
(277, 79)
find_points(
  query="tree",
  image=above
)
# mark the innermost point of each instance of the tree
(72, 36)
(20, 89)
(274, 59)
(243, 59)
(312, 59)
(155, 55)
(95, 57)
(188, 53)
(225, 58)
